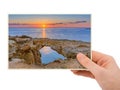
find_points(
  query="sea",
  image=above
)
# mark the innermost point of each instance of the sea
(49, 55)
(83, 34)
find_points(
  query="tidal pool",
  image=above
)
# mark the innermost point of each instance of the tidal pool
(49, 55)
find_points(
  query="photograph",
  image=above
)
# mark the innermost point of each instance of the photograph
(48, 41)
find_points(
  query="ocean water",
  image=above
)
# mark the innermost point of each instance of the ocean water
(83, 34)
(49, 55)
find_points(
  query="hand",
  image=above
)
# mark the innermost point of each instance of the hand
(103, 68)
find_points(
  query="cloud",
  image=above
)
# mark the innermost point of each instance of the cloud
(59, 23)
(76, 22)
(18, 24)
(56, 23)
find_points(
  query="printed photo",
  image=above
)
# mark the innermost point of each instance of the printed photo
(48, 41)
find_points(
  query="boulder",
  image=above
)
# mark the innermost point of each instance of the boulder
(26, 51)
(28, 57)
(37, 55)
(57, 48)
(24, 36)
(25, 48)
(22, 40)
(71, 55)
(12, 49)
(30, 54)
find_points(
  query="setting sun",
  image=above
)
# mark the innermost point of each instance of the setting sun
(43, 25)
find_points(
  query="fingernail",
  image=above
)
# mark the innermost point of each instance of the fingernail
(80, 56)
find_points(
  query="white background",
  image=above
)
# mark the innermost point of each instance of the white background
(105, 38)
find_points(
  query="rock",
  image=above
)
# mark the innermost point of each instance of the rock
(83, 45)
(22, 40)
(16, 60)
(10, 57)
(58, 49)
(30, 54)
(24, 36)
(25, 48)
(11, 42)
(71, 55)
(28, 57)
(88, 54)
(12, 49)
(36, 53)
(58, 61)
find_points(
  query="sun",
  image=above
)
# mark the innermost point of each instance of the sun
(43, 25)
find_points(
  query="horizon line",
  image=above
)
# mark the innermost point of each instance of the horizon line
(50, 27)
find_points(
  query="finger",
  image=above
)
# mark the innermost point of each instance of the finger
(83, 73)
(104, 60)
(97, 56)
(86, 62)
(74, 70)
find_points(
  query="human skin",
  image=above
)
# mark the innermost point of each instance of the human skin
(102, 68)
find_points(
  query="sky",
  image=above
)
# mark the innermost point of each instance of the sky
(49, 20)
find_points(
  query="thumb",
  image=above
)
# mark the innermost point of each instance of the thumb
(86, 62)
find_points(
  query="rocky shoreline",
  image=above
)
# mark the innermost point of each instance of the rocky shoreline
(24, 52)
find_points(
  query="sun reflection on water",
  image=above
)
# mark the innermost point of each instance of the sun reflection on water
(46, 50)
(44, 35)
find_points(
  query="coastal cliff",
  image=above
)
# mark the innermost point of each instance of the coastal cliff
(24, 52)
